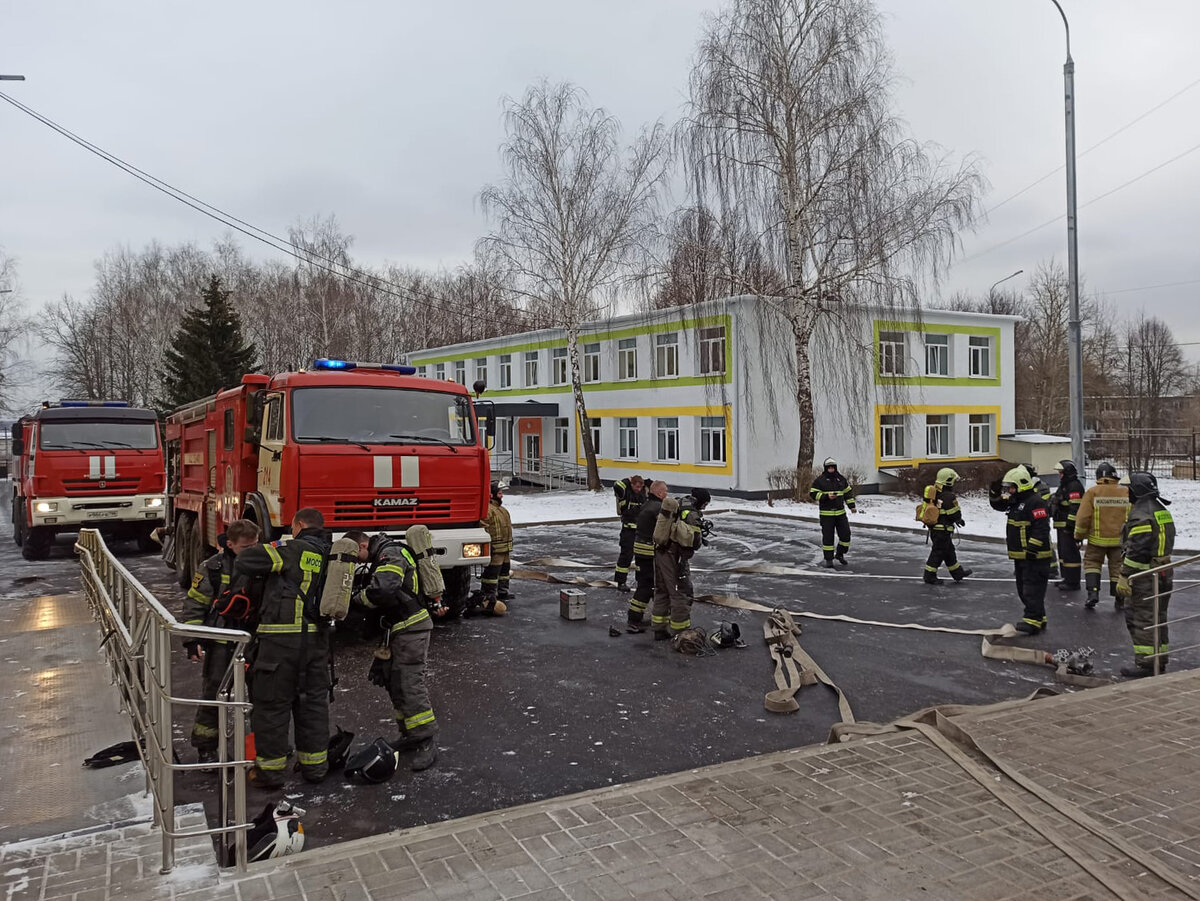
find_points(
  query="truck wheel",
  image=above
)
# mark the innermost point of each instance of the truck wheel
(458, 587)
(37, 543)
(183, 551)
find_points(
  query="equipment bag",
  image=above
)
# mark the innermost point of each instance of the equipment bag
(339, 578)
(420, 543)
(664, 525)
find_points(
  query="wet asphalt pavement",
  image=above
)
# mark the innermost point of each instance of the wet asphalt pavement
(533, 706)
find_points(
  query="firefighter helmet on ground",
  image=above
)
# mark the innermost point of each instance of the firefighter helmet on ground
(946, 476)
(374, 763)
(1106, 471)
(726, 635)
(276, 832)
(1143, 484)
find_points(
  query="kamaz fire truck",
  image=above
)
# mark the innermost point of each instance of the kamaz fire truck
(372, 446)
(86, 464)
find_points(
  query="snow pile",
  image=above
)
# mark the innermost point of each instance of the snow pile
(873, 509)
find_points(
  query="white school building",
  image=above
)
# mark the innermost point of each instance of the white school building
(704, 396)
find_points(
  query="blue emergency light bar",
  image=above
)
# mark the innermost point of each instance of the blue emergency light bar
(347, 365)
(94, 403)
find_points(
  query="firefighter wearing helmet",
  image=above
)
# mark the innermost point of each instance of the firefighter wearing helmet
(941, 533)
(834, 495)
(495, 574)
(1099, 520)
(1028, 540)
(1064, 508)
(1147, 541)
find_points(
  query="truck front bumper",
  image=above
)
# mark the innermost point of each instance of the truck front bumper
(95, 511)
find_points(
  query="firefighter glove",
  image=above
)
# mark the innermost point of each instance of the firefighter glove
(381, 668)
(193, 650)
(1123, 589)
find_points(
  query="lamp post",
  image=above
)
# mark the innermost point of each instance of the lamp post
(12, 77)
(991, 301)
(1074, 327)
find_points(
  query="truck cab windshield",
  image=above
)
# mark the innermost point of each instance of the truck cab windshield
(365, 415)
(107, 434)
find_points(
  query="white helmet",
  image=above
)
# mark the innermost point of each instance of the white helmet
(277, 832)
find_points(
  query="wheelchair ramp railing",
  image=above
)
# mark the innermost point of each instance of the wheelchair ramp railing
(139, 634)
(1161, 577)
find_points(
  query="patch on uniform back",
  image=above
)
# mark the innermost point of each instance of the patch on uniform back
(1039, 512)
(1074, 495)
(197, 579)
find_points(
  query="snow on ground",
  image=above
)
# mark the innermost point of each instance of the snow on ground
(534, 507)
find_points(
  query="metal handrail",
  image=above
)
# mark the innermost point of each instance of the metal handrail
(1155, 573)
(139, 633)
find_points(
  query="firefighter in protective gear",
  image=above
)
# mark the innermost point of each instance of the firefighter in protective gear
(394, 590)
(690, 508)
(1028, 540)
(1064, 508)
(834, 496)
(630, 494)
(210, 581)
(672, 610)
(643, 552)
(290, 688)
(941, 533)
(1147, 541)
(1042, 490)
(499, 527)
(1099, 520)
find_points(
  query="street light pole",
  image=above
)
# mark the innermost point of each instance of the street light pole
(991, 301)
(1074, 326)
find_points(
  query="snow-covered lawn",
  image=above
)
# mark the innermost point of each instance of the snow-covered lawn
(876, 509)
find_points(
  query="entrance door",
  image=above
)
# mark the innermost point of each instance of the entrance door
(532, 449)
(269, 454)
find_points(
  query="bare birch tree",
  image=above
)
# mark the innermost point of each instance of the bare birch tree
(572, 213)
(791, 128)
(13, 329)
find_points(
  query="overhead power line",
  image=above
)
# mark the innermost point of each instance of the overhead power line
(333, 267)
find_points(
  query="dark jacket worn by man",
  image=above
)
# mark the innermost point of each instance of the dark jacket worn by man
(629, 503)
(1028, 539)
(643, 550)
(1064, 507)
(833, 493)
(1147, 542)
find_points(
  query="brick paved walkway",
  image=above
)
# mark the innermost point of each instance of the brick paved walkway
(889, 817)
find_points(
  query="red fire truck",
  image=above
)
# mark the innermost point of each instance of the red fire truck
(89, 464)
(372, 446)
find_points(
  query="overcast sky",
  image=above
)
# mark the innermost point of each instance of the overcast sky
(387, 114)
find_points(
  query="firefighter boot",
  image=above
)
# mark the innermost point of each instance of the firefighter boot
(1139, 672)
(962, 573)
(1118, 601)
(1092, 582)
(931, 578)
(426, 756)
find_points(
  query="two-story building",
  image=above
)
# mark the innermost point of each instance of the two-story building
(705, 396)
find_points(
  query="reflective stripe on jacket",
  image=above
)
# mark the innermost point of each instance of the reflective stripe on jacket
(1148, 536)
(832, 493)
(293, 572)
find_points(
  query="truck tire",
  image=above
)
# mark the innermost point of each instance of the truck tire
(37, 543)
(183, 551)
(458, 587)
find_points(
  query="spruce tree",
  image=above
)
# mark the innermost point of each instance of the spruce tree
(208, 352)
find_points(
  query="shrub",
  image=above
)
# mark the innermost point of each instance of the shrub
(971, 476)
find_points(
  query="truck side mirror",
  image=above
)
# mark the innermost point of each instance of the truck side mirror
(18, 447)
(479, 387)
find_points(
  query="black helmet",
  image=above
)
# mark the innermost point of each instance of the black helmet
(702, 497)
(726, 635)
(1143, 484)
(1106, 471)
(376, 545)
(339, 746)
(1031, 469)
(1067, 468)
(374, 763)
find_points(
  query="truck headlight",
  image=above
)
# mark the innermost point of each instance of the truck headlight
(472, 550)
(154, 502)
(45, 506)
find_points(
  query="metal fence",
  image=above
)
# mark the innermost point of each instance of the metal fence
(1164, 452)
(549, 472)
(1159, 596)
(139, 634)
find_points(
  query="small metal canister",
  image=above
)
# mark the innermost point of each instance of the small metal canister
(572, 603)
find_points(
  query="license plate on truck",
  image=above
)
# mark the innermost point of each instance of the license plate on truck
(101, 514)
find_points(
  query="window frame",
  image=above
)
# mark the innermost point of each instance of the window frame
(591, 362)
(530, 360)
(626, 449)
(974, 429)
(594, 425)
(562, 435)
(898, 429)
(709, 441)
(891, 348)
(931, 350)
(943, 427)
(506, 373)
(666, 355)
(708, 343)
(460, 372)
(671, 435)
(980, 352)
(481, 369)
(627, 359)
(558, 356)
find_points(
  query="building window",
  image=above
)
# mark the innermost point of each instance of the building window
(937, 436)
(981, 433)
(627, 437)
(460, 372)
(937, 354)
(481, 369)
(981, 356)
(562, 429)
(422, 371)
(591, 362)
(666, 433)
(627, 359)
(594, 424)
(712, 439)
(439, 371)
(504, 433)
(666, 355)
(712, 350)
(558, 366)
(531, 369)
(505, 370)
(891, 438)
(891, 353)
